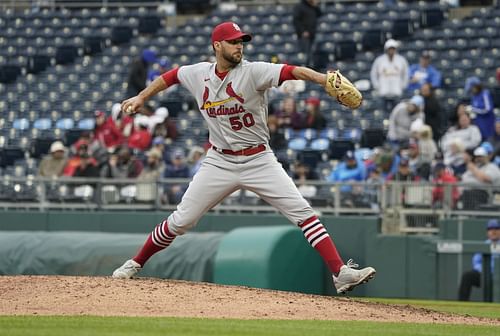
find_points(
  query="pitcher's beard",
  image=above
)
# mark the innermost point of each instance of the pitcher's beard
(234, 59)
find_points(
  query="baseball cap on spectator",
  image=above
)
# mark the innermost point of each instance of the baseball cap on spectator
(439, 166)
(313, 101)
(391, 43)
(161, 112)
(57, 146)
(164, 63)
(178, 154)
(480, 151)
(493, 224)
(159, 140)
(488, 147)
(425, 54)
(228, 31)
(470, 82)
(418, 101)
(115, 110)
(349, 155)
(149, 56)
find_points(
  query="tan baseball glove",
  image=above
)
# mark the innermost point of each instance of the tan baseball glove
(341, 88)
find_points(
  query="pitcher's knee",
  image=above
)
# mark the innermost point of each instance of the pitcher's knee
(180, 226)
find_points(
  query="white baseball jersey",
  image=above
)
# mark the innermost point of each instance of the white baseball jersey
(234, 108)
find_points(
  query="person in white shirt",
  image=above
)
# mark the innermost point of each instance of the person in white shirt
(402, 117)
(389, 75)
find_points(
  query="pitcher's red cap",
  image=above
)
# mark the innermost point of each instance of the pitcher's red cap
(228, 31)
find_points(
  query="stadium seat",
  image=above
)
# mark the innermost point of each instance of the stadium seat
(401, 28)
(345, 50)
(93, 45)
(372, 39)
(37, 63)
(121, 34)
(431, 17)
(297, 144)
(372, 137)
(86, 124)
(338, 148)
(9, 73)
(66, 54)
(149, 24)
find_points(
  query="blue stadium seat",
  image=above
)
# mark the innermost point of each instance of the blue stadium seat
(297, 144)
(86, 124)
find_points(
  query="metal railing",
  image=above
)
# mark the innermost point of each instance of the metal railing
(403, 206)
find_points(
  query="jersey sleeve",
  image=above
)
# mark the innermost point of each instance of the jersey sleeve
(266, 75)
(170, 77)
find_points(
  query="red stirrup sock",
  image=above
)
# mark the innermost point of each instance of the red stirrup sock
(157, 240)
(319, 238)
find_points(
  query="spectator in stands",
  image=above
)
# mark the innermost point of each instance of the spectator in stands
(305, 20)
(453, 156)
(194, 159)
(480, 170)
(177, 169)
(427, 148)
(122, 164)
(160, 144)
(277, 139)
(372, 186)
(154, 167)
(349, 170)
(74, 162)
(314, 118)
(161, 67)
(481, 104)
(288, 116)
(87, 167)
(404, 172)
(494, 140)
(473, 278)
(146, 188)
(468, 134)
(432, 111)
(106, 132)
(138, 72)
(140, 138)
(301, 174)
(161, 124)
(442, 177)
(401, 118)
(52, 165)
(417, 164)
(387, 162)
(424, 73)
(123, 122)
(389, 75)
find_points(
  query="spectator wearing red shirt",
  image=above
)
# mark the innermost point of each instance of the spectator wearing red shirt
(106, 132)
(444, 176)
(141, 137)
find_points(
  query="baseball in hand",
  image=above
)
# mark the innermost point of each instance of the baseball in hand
(129, 110)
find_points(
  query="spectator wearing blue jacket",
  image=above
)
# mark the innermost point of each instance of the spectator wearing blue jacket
(349, 170)
(423, 73)
(473, 277)
(481, 104)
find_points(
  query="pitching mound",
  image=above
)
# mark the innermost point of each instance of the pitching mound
(104, 296)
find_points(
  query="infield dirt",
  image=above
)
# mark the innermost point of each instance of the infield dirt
(104, 296)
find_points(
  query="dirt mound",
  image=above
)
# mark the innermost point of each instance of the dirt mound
(104, 296)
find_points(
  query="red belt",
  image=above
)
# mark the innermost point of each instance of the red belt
(245, 152)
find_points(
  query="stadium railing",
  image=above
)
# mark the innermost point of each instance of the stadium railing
(402, 206)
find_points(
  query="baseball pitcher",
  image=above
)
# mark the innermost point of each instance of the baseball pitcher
(231, 96)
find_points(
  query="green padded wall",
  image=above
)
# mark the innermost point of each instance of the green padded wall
(275, 257)
(190, 257)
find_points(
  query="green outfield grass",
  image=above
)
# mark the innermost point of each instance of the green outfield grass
(479, 309)
(143, 326)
